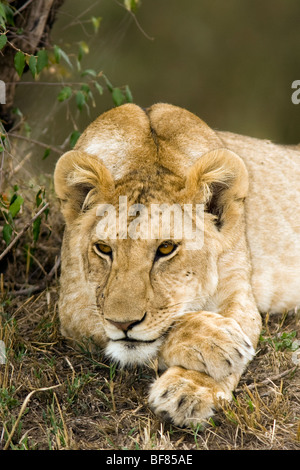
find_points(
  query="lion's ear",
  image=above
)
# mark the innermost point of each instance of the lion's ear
(219, 180)
(79, 179)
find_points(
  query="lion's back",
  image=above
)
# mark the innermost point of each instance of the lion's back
(272, 219)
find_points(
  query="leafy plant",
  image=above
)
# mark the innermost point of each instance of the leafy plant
(7, 399)
(283, 341)
(81, 90)
(6, 15)
(10, 206)
(38, 62)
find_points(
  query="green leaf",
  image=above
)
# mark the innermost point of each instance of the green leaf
(59, 53)
(96, 22)
(2, 12)
(74, 137)
(14, 196)
(64, 93)
(38, 198)
(85, 87)
(99, 88)
(66, 58)
(42, 60)
(7, 233)
(118, 96)
(32, 65)
(3, 41)
(91, 97)
(83, 50)
(27, 129)
(9, 15)
(18, 112)
(89, 72)
(15, 207)
(80, 100)
(46, 154)
(36, 227)
(108, 84)
(19, 61)
(131, 5)
(128, 94)
(46, 212)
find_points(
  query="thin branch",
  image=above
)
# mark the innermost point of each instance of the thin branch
(267, 380)
(135, 20)
(29, 290)
(33, 83)
(17, 12)
(43, 285)
(76, 19)
(22, 162)
(36, 142)
(54, 269)
(26, 227)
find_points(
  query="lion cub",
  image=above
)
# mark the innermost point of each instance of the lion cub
(176, 237)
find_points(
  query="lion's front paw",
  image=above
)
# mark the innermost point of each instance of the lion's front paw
(207, 342)
(185, 397)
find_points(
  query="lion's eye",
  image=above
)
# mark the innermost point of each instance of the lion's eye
(166, 248)
(103, 248)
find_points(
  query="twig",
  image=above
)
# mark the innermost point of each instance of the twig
(267, 380)
(17, 12)
(22, 162)
(26, 227)
(135, 20)
(36, 142)
(23, 407)
(29, 290)
(50, 83)
(76, 18)
(1, 169)
(39, 287)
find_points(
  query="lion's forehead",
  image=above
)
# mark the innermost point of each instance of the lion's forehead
(128, 138)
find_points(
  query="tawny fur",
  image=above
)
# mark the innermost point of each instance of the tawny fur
(197, 311)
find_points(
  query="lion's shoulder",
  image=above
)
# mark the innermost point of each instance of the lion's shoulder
(272, 213)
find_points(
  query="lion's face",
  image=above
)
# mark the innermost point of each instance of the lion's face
(124, 283)
(142, 294)
(137, 288)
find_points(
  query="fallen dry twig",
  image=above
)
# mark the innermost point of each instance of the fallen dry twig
(41, 286)
(267, 380)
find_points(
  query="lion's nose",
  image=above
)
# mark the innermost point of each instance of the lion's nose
(125, 326)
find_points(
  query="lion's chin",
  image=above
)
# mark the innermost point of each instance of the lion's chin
(130, 353)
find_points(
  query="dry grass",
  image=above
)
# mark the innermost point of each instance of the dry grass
(57, 396)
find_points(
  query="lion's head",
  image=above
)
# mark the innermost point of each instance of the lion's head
(125, 280)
